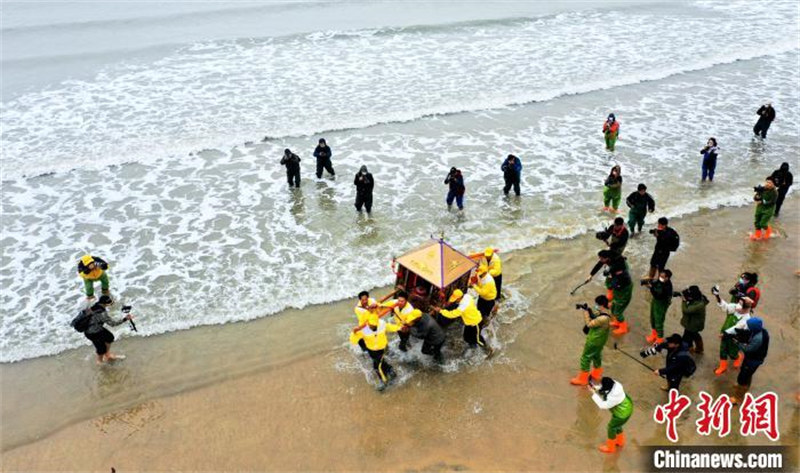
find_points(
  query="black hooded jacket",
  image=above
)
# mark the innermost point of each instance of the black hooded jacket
(782, 178)
(364, 183)
(678, 361)
(427, 329)
(291, 161)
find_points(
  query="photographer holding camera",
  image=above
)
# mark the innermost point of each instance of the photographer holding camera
(746, 287)
(596, 327)
(736, 316)
(92, 269)
(457, 189)
(766, 115)
(618, 235)
(766, 196)
(91, 322)
(610, 395)
(693, 318)
(612, 190)
(619, 285)
(292, 163)
(754, 345)
(661, 290)
(679, 362)
(667, 241)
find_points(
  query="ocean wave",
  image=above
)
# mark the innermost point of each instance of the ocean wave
(219, 93)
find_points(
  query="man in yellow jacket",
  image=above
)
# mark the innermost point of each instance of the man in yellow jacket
(470, 315)
(401, 309)
(92, 269)
(374, 337)
(486, 289)
(495, 268)
(365, 306)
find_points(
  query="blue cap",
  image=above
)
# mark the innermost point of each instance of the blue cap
(754, 324)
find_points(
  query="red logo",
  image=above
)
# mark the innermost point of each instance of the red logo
(715, 414)
(760, 415)
(670, 412)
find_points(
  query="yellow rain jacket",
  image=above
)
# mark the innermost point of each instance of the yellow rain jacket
(495, 265)
(93, 274)
(400, 314)
(362, 312)
(374, 339)
(466, 309)
(486, 288)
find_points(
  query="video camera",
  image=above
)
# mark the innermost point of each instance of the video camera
(649, 351)
(126, 309)
(592, 315)
(759, 189)
(653, 231)
(602, 235)
(737, 294)
(686, 294)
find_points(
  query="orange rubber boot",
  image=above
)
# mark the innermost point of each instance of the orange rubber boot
(597, 374)
(756, 235)
(610, 294)
(652, 337)
(620, 440)
(614, 322)
(723, 367)
(609, 447)
(622, 330)
(581, 380)
(738, 362)
(768, 233)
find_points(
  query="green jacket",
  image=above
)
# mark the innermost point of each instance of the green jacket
(768, 199)
(694, 315)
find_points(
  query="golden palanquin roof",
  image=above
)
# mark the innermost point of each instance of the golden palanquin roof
(437, 262)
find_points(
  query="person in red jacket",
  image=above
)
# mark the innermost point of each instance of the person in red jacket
(611, 131)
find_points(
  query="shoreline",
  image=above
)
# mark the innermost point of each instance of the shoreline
(164, 382)
(727, 203)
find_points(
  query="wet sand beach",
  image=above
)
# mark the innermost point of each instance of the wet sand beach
(286, 393)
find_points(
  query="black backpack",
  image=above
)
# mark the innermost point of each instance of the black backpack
(675, 241)
(82, 321)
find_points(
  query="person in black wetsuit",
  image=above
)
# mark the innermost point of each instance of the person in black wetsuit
(639, 202)
(292, 163)
(512, 171)
(667, 241)
(364, 184)
(323, 154)
(766, 115)
(783, 180)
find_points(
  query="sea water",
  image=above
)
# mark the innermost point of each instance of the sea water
(150, 135)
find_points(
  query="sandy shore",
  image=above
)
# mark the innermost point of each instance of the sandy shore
(285, 393)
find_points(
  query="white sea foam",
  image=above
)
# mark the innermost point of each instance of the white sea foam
(215, 94)
(216, 236)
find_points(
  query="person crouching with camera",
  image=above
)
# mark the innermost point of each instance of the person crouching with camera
(766, 196)
(597, 324)
(679, 362)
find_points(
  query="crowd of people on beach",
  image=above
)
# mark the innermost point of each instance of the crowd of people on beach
(744, 339)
